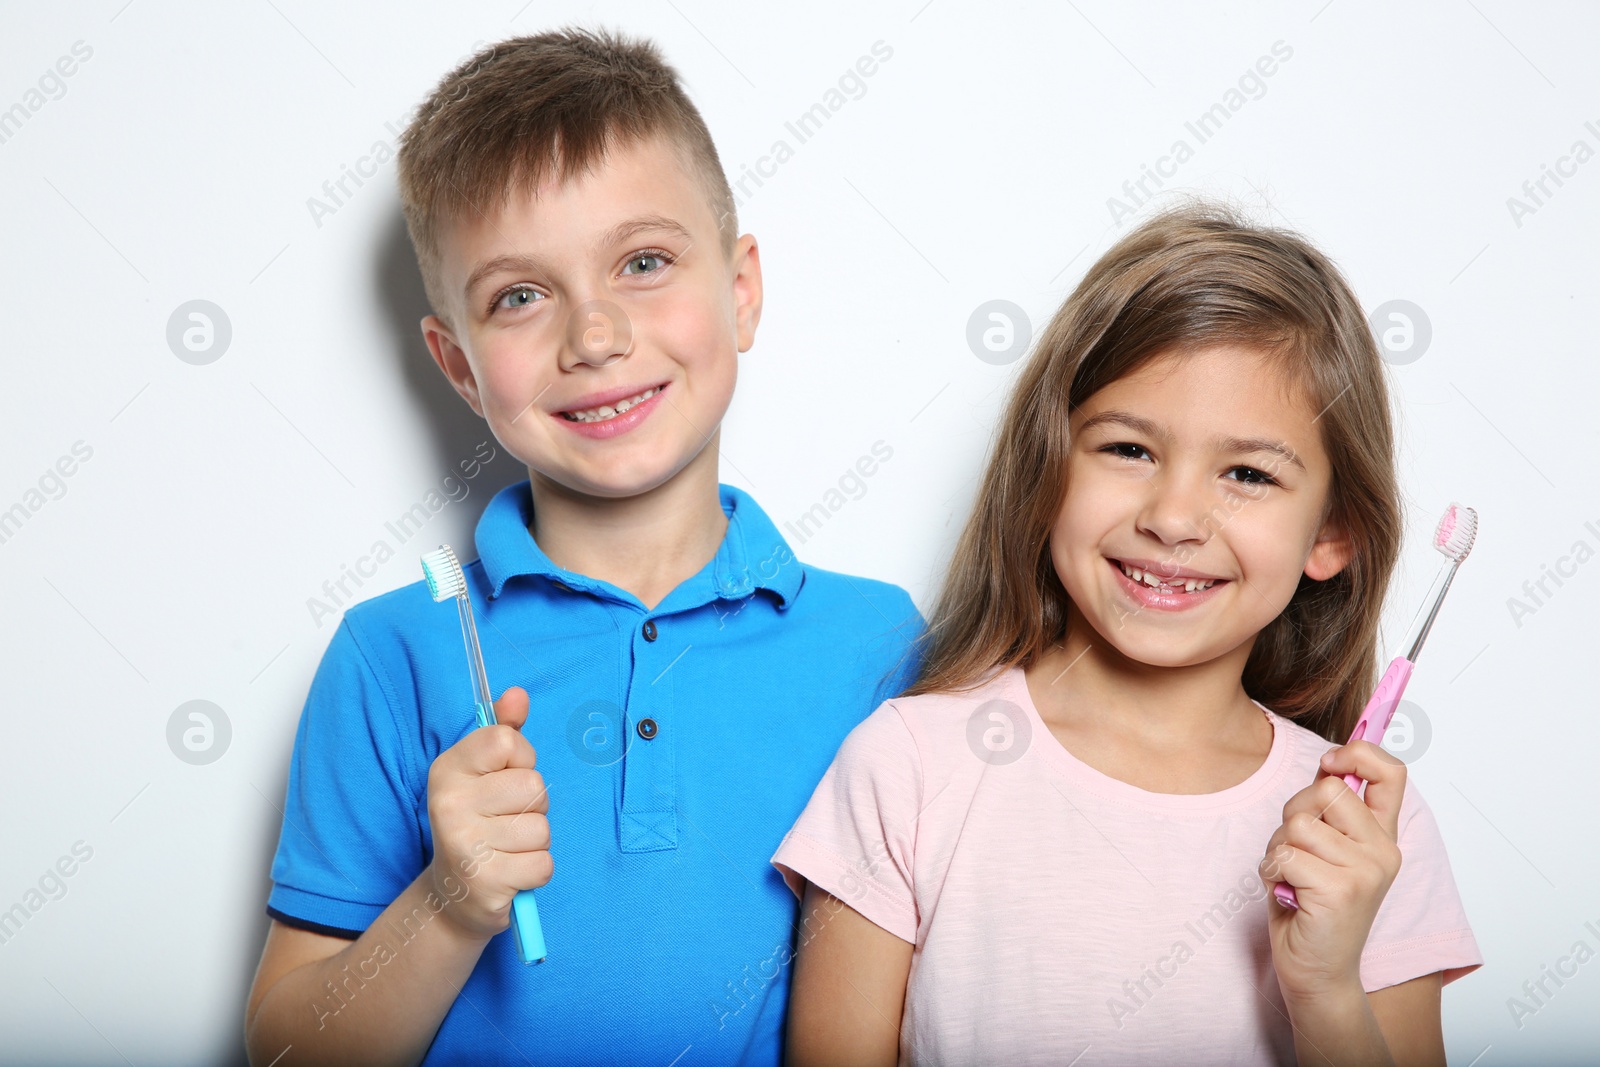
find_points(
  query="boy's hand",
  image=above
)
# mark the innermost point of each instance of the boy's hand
(1341, 856)
(487, 805)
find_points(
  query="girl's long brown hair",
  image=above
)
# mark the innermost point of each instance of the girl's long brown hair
(1194, 276)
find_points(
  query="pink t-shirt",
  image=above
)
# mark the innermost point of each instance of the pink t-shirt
(1058, 912)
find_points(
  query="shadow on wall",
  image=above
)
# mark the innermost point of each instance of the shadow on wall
(457, 433)
(457, 430)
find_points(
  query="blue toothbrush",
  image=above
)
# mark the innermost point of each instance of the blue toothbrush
(446, 581)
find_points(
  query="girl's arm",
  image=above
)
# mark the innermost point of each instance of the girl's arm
(849, 988)
(1340, 854)
(1398, 1025)
(1408, 1015)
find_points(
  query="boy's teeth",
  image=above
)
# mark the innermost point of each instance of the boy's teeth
(605, 411)
(1188, 585)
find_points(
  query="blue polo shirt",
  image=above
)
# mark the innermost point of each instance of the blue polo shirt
(670, 935)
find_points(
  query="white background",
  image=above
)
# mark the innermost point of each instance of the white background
(977, 165)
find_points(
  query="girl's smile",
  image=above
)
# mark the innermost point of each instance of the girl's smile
(1164, 594)
(1196, 491)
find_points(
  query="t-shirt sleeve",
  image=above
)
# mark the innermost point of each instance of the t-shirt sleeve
(1421, 926)
(856, 836)
(351, 838)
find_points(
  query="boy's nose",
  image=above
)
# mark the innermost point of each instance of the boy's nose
(598, 332)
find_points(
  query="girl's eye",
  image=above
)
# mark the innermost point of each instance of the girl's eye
(1258, 477)
(1251, 475)
(1123, 444)
(517, 297)
(648, 262)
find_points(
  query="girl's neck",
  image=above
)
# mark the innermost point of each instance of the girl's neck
(1188, 729)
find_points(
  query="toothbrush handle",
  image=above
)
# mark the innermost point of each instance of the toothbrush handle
(1380, 709)
(525, 926)
(1373, 725)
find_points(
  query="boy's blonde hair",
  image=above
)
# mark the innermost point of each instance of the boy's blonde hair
(1192, 277)
(533, 108)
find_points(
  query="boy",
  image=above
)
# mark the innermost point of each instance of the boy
(689, 679)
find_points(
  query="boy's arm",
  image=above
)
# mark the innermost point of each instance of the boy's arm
(377, 999)
(381, 998)
(849, 989)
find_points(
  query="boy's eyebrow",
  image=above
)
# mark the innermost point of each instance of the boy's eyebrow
(643, 224)
(622, 231)
(516, 264)
(1140, 424)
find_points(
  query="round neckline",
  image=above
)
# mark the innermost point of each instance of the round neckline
(1235, 796)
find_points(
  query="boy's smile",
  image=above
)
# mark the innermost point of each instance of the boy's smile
(597, 322)
(1196, 469)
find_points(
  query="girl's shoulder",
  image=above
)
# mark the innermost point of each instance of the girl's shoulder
(996, 691)
(946, 727)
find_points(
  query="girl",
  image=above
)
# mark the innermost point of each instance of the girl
(1059, 846)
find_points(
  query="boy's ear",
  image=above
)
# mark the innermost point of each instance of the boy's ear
(746, 290)
(452, 360)
(1330, 553)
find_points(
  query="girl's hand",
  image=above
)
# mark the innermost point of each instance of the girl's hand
(1341, 856)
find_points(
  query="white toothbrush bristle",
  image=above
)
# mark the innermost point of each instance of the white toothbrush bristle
(1456, 532)
(443, 573)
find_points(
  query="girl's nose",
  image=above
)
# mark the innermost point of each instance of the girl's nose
(1179, 508)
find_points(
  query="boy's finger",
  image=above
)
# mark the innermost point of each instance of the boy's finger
(491, 748)
(512, 791)
(1385, 775)
(512, 707)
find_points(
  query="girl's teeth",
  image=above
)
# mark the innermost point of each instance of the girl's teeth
(1188, 585)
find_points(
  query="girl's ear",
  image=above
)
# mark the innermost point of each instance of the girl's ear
(1330, 553)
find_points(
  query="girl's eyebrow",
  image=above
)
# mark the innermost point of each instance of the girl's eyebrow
(1140, 424)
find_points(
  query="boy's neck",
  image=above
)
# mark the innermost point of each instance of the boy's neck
(646, 544)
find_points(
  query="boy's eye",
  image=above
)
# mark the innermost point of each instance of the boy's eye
(647, 263)
(1251, 475)
(518, 297)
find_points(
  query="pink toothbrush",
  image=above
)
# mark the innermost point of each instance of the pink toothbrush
(1454, 539)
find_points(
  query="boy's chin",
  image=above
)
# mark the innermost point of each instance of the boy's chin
(620, 481)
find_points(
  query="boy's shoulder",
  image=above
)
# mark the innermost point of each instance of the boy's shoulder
(407, 612)
(835, 589)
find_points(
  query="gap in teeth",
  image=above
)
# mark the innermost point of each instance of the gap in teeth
(607, 411)
(1188, 585)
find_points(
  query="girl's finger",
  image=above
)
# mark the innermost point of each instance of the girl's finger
(1307, 833)
(1296, 867)
(1346, 813)
(1327, 795)
(1385, 775)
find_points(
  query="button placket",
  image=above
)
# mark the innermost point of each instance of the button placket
(648, 820)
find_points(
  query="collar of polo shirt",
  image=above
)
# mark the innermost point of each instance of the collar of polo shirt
(753, 554)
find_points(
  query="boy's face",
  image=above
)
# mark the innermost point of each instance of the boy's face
(1153, 476)
(596, 324)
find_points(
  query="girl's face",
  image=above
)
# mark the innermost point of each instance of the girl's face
(1201, 466)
